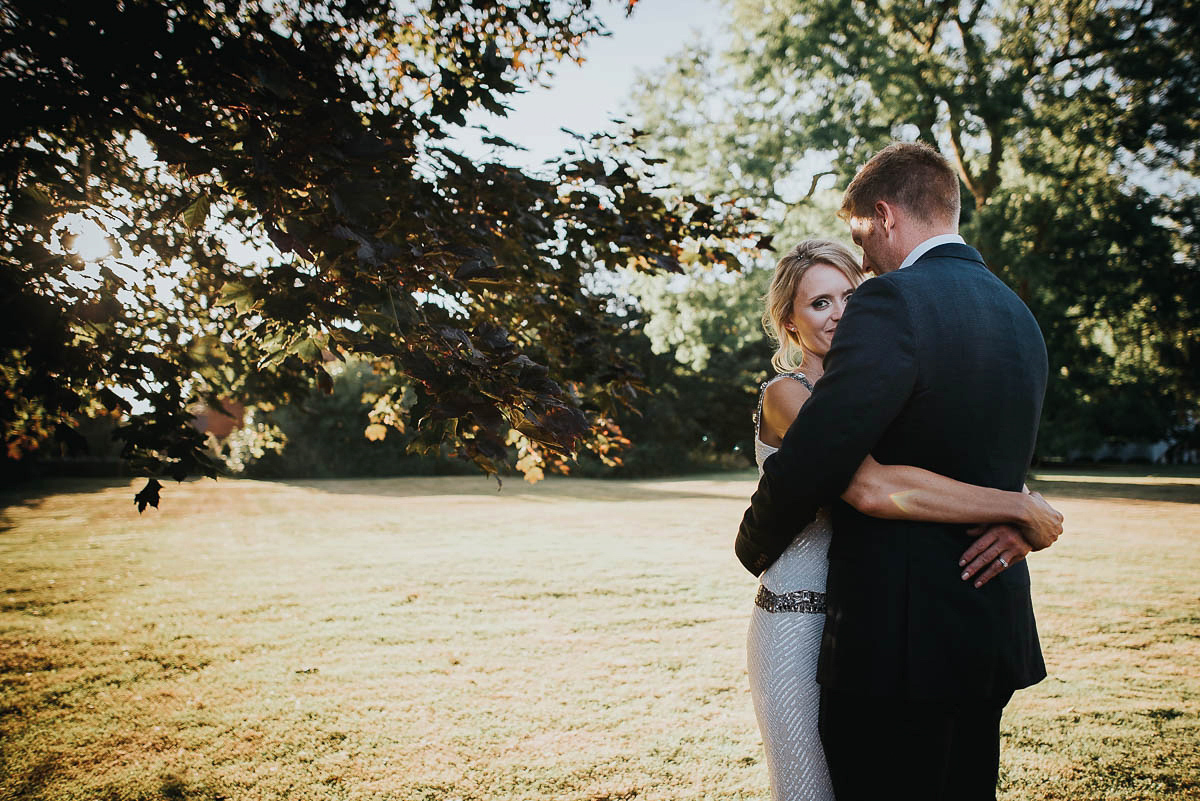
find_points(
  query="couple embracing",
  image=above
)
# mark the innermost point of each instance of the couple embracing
(889, 530)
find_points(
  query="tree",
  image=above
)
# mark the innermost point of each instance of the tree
(709, 324)
(316, 134)
(1073, 128)
(700, 314)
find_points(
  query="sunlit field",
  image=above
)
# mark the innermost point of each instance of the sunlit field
(433, 638)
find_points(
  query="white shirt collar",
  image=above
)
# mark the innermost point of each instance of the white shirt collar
(928, 245)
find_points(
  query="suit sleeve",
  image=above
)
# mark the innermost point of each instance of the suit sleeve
(870, 374)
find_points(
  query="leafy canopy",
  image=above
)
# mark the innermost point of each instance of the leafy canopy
(276, 186)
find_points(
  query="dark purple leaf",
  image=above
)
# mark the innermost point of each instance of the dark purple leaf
(148, 496)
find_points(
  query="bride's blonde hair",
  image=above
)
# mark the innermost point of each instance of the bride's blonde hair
(789, 353)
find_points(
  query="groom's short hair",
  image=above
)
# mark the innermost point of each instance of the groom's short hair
(909, 174)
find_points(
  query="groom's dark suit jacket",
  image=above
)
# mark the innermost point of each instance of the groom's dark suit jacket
(941, 366)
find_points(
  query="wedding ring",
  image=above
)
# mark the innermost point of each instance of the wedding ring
(1003, 564)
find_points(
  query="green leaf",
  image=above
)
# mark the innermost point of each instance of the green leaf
(238, 295)
(195, 215)
(37, 195)
(307, 349)
(377, 319)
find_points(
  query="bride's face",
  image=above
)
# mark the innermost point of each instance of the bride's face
(817, 306)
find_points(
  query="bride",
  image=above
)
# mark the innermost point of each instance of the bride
(808, 293)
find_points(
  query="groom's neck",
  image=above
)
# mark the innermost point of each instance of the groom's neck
(913, 232)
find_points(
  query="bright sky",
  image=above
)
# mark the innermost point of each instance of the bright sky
(585, 98)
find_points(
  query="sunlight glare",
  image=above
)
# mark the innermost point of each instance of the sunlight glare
(88, 239)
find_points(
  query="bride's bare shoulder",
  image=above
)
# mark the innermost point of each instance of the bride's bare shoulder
(782, 400)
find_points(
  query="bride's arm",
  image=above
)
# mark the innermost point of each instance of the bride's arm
(902, 492)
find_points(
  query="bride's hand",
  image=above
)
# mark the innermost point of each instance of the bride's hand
(996, 548)
(1043, 524)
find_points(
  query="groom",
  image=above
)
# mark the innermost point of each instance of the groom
(937, 364)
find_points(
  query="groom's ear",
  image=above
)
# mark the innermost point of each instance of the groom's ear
(885, 217)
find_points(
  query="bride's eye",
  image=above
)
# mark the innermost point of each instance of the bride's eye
(820, 304)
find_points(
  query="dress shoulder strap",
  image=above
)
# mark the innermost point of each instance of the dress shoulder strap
(762, 391)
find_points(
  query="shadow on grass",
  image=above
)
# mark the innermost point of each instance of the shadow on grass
(30, 494)
(1161, 490)
(554, 488)
(36, 779)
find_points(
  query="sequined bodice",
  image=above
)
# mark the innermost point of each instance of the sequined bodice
(805, 562)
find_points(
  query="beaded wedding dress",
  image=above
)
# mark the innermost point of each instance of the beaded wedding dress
(784, 641)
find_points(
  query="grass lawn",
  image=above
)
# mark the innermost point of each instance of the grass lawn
(431, 638)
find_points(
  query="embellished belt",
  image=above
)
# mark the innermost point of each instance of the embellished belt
(797, 601)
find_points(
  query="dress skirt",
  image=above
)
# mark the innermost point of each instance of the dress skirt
(782, 660)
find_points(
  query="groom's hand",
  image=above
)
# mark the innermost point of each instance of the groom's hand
(996, 548)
